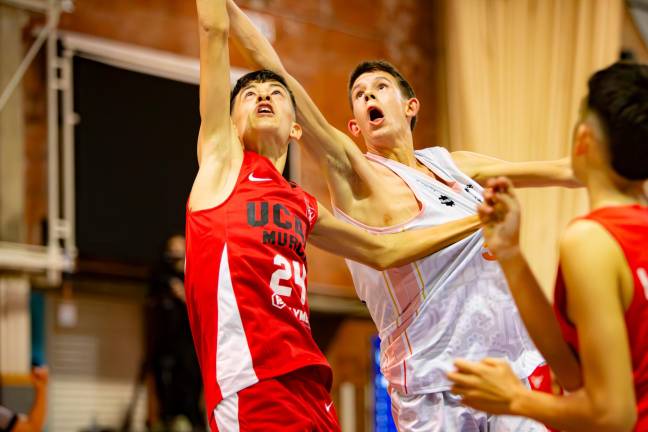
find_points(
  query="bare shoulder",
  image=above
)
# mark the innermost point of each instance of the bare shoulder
(588, 245)
(215, 180)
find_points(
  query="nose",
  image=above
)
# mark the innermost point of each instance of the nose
(263, 97)
(369, 95)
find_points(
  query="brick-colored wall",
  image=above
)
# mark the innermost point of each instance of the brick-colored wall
(319, 42)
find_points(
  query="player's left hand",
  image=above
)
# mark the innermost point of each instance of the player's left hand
(489, 385)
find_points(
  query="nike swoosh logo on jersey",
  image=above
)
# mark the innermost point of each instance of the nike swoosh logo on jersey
(328, 406)
(257, 179)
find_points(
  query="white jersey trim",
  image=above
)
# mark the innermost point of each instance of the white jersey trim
(226, 414)
(234, 368)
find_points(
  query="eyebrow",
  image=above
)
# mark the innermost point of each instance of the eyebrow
(380, 78)
(252, 85)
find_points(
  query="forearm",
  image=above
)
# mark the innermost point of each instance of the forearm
(251, 42)
(382, 251)
(37, 413)
(546, 173)
(411, 245)
(539, 319)
(572, 412)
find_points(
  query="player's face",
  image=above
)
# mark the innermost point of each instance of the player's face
(264, 110)
(379, 108)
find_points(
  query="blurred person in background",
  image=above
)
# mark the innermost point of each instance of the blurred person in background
(596, 337)
(32, 422)
(171, 358)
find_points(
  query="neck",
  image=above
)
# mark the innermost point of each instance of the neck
(608, 190)
(399, 148)
(275, 151)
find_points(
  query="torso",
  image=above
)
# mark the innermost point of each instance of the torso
(628, 225)
(452, 303)
(391, 201)
(246, 282)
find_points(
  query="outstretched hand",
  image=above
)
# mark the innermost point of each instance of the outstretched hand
(500, 216)
(489, 385)
(40, 376)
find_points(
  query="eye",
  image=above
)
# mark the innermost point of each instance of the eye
(277, 92)
(382, 86)
(249, 93)
(359, 95)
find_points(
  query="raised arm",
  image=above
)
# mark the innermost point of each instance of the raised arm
(339, 156)
(219, 151)
(523, 174)
(382, 251)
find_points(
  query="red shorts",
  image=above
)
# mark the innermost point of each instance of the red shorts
(296, 402)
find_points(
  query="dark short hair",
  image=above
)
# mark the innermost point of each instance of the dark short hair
(618, 95)
(260, 76)
(384, 66)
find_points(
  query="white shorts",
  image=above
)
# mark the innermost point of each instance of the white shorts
(443, 412)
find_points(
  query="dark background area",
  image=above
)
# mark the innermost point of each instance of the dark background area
(135, 160)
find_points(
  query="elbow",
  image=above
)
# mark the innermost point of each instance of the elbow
(617, 419)
(383, 258)
(215, 28)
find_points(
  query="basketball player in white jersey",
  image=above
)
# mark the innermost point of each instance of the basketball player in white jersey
(454, 303)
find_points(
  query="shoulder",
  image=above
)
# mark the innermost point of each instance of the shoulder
(587, 244)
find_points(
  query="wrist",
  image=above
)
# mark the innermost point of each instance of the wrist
(508, 253)
(519, 401)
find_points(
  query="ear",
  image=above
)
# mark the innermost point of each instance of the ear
(295, 132)
(582, 139)
(412, 107)
(353, 127)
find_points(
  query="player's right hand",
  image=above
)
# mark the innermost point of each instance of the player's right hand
(500, 216)
(39, 376)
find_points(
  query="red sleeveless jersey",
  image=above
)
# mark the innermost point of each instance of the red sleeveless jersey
(628, 225)
(246, 283)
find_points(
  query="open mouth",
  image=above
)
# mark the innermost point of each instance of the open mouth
(375, 115)
(264, 109)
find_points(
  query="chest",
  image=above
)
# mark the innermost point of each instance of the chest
(393, 202)
(267, 217)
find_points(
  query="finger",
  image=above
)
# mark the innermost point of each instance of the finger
(485, 213)
(463, 379)
(494, 361)
(507, 201)
(505, 185)
(465, 366)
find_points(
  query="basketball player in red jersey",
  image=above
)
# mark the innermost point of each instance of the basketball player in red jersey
(246, 268)
(597, 343)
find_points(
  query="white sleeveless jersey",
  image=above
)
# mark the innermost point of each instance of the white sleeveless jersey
(452, 304)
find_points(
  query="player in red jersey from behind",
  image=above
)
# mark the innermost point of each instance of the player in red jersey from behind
(246, 269)
(598, 339)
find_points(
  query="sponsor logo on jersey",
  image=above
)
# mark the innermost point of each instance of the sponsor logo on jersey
(445, 200)
(257, 179)
(280, 226)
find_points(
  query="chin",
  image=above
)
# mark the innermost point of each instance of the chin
(383, 133)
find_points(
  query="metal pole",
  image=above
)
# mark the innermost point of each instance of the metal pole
(69, 121)
(22, 68)
(53, 210)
